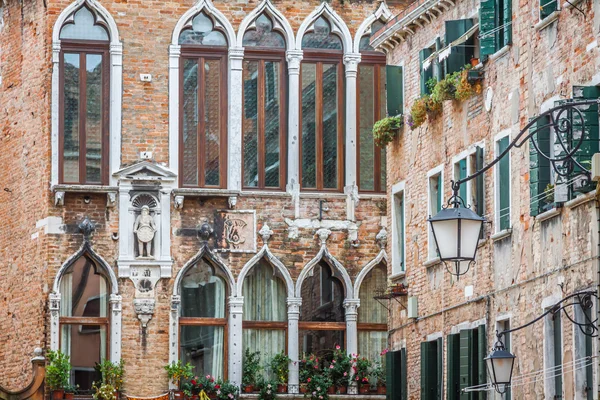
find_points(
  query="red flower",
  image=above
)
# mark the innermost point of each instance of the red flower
(193, 381)
(217, 386)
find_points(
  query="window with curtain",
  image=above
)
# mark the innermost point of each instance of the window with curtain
(84, 319)
(84, 101)
(321, 85)
(372, 316)
(265, 313)
(203, 319)
(203, 105)
(264, 117)
(370, 108)
(322, 317)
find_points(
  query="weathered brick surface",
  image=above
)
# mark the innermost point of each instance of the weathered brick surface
(513, 275)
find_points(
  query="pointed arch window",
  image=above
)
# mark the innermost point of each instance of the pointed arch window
(84, 100)
(265, 313)
(264, 117)
(370, 108)
(322, 317)
(372, 316)
(203, 319)
(84, 319)
(321, 117)
(203, 104)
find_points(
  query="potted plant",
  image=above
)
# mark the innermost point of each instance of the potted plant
(267, 390)
(379, 375)
(112, 375)
(386, 129)
(58, 371)
(225, 390)
(434, 108)
(418, 112)
(444, 89)
(186, 388)
(70, 391)
(280, 365)
(104, 391)
(204, 384)
(317, 387)
(250, 369)
(340, 367)
(177, 372)
(362, 369)
(308, 368)
(464, 88)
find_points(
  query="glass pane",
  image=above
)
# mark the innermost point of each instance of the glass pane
(86, 345)
(202, 33)
(264, 294)
(330, 126)
(212, 118)
(84, 292)
(203, 347)
(93, 118)
(263, 35)
(371, 344)
(322, 296)
(71, 118)
(370, 311)
(320, 343)
(272, 123)
(268, 342)
(250, 123)
(321, 37)
(203, 294)
(366, 110)
(83, 27)
(382, 114)
(190, 122)
(309, 155)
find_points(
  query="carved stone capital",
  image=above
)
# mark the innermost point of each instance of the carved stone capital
(294, 57)
(54, 301)
(144, 308)
(323, 235)
(382, 238)
(232, 201)
(265, 233)
(351, 306)
(236, 305)
(116, 302)
(351, 61)
(294, 304)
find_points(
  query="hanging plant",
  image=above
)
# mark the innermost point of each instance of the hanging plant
(464, 89)
(444, 89)
(434, 108)
(418, 112)
(386, 129)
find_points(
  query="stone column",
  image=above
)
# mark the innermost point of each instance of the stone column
(125, 226)
(294, 57)
(54, 321)
(116, 97)
(115, 301)
(174, 332)
(234, 137)
(294, 304)
(351, 61)
(235, 345)
(351, 306)
(174, 57)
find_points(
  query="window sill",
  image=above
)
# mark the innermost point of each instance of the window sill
(501, 235)
(202, 192)
(432, 261)
(266, 193)
(61, 189)
(372, 196)
(481, 243)
(322, 195)
(369, 396)
(397, 276)
(547, 21)
(569, 4)
(548, 214)
(500, 53)
(581, 199)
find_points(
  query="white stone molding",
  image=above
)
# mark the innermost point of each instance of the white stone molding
(351, 61)
(338, 26)
(116, 307)
(294, 58)
(383, 12)
(174, 331)
(351, 306)
(280, 23)
(234, 125)
(380, 258)
(221, 23)
(235, 349)
(294, 304)
(102, 17)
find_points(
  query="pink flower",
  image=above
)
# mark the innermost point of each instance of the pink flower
(345, 373)
(320, 397)
(308, 380)
(334, 361)
(207, 376)
(314, 393)
(268, 392)
(331, 366)
(319, 389)
(230, 396)
(269, 386)
(218, 392)
(337, 347)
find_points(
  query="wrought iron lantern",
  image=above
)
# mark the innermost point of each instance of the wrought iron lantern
(500, 363)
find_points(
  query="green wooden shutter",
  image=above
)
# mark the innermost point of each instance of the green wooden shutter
(557, 372)
(487, 24)
(591, 142)
(453, 367)
(482, 349)
(424, 371)
(465, 365)
(459, 55)
(394, 90)
(390, 373)
(440, 368)
(425, 74)
(401, 230)
(438, 68)
(504, 185)
(462, 174)
(506, 337)
(403, 375)
(539, 166)
(506, 21)
(547, 7)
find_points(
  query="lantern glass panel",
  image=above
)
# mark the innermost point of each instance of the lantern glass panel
(469, 237)
(446, 237)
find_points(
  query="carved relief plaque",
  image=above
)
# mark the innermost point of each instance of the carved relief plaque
(235, 231)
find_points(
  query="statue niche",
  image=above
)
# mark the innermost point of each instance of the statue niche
(144, 227)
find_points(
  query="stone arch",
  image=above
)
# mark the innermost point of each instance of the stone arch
(338, 271)
(217, 17)
(101, 15)
(265, 253)
(338, 26)
(280, 23)
(381, 257)
(383, 12)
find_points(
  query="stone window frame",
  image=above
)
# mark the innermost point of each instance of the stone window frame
(432, 257)
(497, 138)
(398, 270)
(115, 92)
(548, 344)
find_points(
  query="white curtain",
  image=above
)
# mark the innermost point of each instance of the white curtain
(66, 308)
(268, 342)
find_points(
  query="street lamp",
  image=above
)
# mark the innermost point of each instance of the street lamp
(500, 365)
(456, 231)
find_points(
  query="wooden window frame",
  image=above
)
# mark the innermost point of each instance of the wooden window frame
(378, 62)
(84, 47)
(201, 54)
(215, 322)
(261, 55)
(320, 57)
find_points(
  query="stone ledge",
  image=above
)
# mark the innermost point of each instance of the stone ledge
(398, 276)
(501, 235)
(547, 21)
(582, 199)
(503, 51)
(60, 190)
(431, 262)
(548, 214)
(290, 396)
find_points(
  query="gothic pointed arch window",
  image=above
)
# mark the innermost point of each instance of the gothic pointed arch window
(84, 319)
(370, 108)
(203, 319)
(203, 104)
(84, 69)
(321, 112)
(264, 98)
(372, 316)
(265, 313)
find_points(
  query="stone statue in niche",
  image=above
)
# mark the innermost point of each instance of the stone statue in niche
(145, 228)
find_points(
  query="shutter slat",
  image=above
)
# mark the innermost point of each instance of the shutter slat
(465, 358)
(481, 354)
(506, 21)
(424, 368)
(394, 90)
(440, 368)
(462, 174)
(390, 372)
(557, 356)
(453, 366)
(487, 23)
(539, 167)
(403, 375)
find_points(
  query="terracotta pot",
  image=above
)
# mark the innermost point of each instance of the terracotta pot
(474, 62)
(342, 389)
(331, 389)
(69, 396)
(282, 388)
(303, 388)
(248, 389)
(381, 389)
(364, 388)
(177, 394)
(195, 397)
(58, 394)
(116, 393)
(212, 395)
